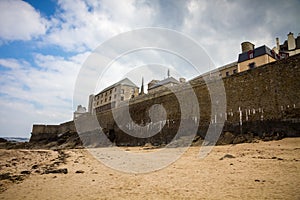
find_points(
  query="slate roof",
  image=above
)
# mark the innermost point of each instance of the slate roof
(125, 81)
(259, 51)
(164, 82)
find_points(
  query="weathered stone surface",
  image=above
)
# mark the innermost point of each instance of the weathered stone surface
(267, 96)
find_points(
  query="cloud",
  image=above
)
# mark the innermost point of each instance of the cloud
(40, 94)
(83, 25)
(39, 88)
(20, 21)
(221, 26)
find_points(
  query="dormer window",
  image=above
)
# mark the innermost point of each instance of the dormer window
(250, 54)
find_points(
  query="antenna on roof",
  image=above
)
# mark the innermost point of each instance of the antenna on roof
(168, 73)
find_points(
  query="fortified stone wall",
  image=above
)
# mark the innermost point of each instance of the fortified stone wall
(265, 99)
(46, 133)
(260, 98)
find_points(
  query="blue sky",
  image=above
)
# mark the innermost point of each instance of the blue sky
(43, 44)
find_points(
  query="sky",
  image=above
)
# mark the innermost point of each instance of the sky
(43, 45)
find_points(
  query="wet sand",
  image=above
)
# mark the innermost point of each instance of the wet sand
(263, 170)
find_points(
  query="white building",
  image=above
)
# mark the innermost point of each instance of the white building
(112, 96)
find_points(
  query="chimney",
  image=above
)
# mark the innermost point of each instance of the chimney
(291, 41)
(182, 80)
(90, 106)
(247, 46)
(277, 43)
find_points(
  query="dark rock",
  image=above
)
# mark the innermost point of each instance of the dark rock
(5, 176)
(34, 166)
(25, 172)
(79, 172)
(16, 178)
(239, 139)
(2, 140)
(227, 156)
(56, 171)
(226, 138)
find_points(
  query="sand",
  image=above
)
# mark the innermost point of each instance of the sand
(263, 170)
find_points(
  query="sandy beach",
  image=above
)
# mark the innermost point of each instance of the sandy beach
(263, 170)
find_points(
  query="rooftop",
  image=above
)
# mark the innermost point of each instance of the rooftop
(164, 82)
(125, 81)
(259, 51)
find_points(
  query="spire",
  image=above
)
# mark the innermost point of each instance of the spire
(142, 87)
(168, 73)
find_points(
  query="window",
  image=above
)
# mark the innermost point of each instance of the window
(115, 89)
(251, 65)
(227, 73)
(250, 54)
(122, 91)
(101, 101)
(109, 98)
(105, 100)
(122, 98)
(101, 95)
(234, 71)
(110, 91)
(115, 96)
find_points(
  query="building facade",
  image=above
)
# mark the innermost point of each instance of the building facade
(80, 111)
(114, 95)
(156, 86)
(254, 57)
(224, 71)
(290, 47)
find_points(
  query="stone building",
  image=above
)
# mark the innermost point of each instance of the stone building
(80, 111)
(224, 71)
(254, 57)
(114, 95)
(290, 47)
(156, 86)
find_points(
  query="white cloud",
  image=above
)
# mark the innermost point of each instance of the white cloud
(221, 26)
(20, 21)
(41, 91)
(37, 95)
(83, 25)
